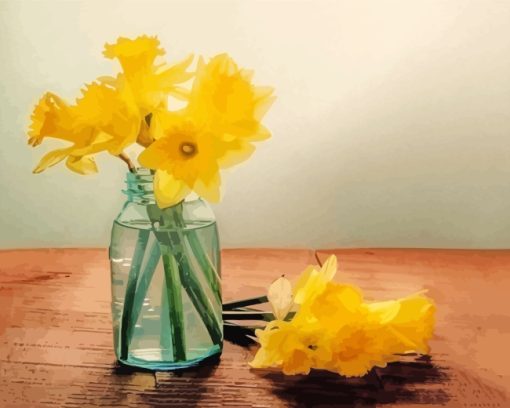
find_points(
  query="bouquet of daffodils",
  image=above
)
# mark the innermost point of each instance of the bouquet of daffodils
(182, 151)
(321, 324)
(185, 147)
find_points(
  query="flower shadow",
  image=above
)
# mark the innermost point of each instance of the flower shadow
(238, 335)
(419, 382)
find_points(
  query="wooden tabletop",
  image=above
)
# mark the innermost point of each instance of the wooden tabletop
(56, 341)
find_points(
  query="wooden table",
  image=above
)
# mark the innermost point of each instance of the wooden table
(56, 341)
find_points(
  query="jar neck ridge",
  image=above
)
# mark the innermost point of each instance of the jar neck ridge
(140, 187)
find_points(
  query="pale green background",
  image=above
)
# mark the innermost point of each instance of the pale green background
(392, 125)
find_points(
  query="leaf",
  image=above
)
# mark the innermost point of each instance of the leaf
(279, 295)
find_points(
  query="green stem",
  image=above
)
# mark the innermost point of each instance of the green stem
(200, 300)
(248, 315)
(171, 236)
(192, 285)
(251, 328)
(252, 314)
(175, 305)
(245, 302)
(205, 263)
(143, 284)
(165, 338)
(127, 323)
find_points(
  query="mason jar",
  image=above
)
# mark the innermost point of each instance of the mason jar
(165, 280)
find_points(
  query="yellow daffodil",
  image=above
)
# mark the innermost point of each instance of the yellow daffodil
(151, 82)
(322, 300)
(313, 282)
(186, 148)
(185, 159)
(409, 322)
(213, 131)
(357, 347)
(223, 96)
(295, 349)
(52, 117)
(336, 330)
(224, 101)
(104, 118)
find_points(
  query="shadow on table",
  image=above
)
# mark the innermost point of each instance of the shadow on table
(124, 386)
(418, 382)
(172, 388)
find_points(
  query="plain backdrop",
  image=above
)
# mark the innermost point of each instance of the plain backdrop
(391, 128)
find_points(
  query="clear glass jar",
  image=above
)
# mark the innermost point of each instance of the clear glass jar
(165, 275)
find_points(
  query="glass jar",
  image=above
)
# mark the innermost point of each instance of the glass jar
(165, 277)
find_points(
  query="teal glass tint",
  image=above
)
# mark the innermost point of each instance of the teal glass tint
(165, 277)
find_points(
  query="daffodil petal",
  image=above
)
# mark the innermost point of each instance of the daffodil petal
(210, 190)
(155, 154)
(162, 121)
(306, 285)
(82, 165)
(260, 360)
(279, 295)
(260, 134)
(108, 145)
(414, 322)
(384, 312)
(180, 93)
(52, 158)
(263, 106)
(223, 96)
(234, 153)
(111, 110)
(176, 73)
(329, 268)
(168, 191)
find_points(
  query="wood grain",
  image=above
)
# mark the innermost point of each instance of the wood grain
(56, 342)
(471, 289)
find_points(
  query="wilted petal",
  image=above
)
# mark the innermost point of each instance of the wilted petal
(279, 295)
